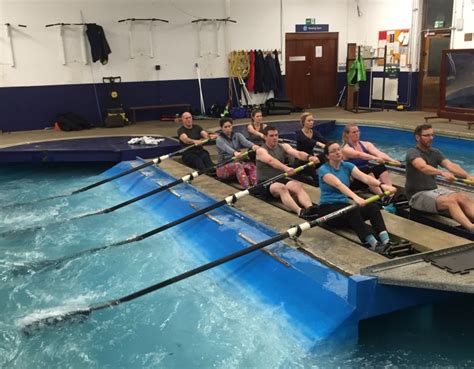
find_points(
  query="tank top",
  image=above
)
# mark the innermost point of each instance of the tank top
(265, 171)
(257, 140)
(356, 161)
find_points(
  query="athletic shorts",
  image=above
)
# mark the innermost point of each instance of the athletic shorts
(426, 200)
(376, 170)
(264, 191)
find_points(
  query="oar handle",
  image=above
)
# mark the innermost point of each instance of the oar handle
(282, 175)
(465, 181)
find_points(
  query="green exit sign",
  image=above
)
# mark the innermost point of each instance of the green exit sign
(310, 21)
(438, 24)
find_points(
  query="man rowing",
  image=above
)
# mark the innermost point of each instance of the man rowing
(272, 161)
(192, 134)
(422, 164)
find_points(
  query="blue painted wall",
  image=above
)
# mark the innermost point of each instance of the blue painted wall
(30, 108)
(407, 90)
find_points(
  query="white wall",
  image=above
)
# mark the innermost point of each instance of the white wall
(463, 12)
(261, 24)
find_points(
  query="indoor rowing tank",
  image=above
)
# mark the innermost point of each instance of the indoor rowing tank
(295, 301)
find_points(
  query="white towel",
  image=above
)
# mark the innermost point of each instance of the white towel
(145, 140)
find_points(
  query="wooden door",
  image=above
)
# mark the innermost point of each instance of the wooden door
(432, 45)
(311, 69)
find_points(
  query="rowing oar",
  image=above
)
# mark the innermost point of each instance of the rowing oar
(293, 143)
(229, 200)
(465, 181)
(439, 178)
(83, 313)
(187, 178)
(96, 184)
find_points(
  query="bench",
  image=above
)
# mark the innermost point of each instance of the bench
(134, 109)
(468, 121)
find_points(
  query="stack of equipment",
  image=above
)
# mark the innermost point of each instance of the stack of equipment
(116, 116)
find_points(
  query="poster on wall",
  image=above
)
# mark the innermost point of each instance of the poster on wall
(397, 41)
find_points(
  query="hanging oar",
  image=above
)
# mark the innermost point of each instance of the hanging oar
(187, 178)
(229, 200)
(96, 184)
(83, 313)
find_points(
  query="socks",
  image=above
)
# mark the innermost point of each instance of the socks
(371, 240)
(384, 238)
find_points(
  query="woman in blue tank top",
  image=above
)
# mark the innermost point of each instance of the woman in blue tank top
(334, 180)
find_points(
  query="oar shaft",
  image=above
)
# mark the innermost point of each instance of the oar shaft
(181, 220)
(139, 167)
(186, 178)
(192, 272)
(121, 174)
(145, 195)
(294, 231)
(228, 200)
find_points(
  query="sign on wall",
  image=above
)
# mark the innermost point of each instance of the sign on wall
(311, 27)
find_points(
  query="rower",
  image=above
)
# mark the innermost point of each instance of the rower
(271, 162)
(334, 180)
(422, 162)
(360, 153)
(306, 140)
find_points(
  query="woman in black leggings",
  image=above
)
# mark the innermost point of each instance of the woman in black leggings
(334, 181)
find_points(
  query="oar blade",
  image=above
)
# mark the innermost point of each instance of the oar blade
(52, 317)
(34, 202)
(36, 266)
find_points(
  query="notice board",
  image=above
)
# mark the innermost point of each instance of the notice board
(397, 41)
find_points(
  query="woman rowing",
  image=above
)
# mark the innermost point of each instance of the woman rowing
(256, 126)
(230, 144)
(360, 153)
(306, 140)
(334, 180)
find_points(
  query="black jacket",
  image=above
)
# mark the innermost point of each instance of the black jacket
(100, 49)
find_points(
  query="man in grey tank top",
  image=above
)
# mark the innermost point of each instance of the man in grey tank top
(271, 162)
(422, 164)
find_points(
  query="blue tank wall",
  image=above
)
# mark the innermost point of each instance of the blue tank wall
(322, 303)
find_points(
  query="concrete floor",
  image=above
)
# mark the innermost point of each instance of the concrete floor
(406, 119)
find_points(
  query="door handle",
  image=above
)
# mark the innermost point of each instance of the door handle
(308, 74)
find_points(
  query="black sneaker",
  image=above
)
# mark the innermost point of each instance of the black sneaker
(380, 249)
(313, 210)
(307, 214)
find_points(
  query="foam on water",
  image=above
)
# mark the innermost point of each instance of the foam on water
(193, 324)
(211, 320)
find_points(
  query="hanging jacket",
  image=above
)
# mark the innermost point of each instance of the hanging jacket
(269, 78)
(100, 49)
(251, 76)
(356, 72)
(259, 71)
(279, 80)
